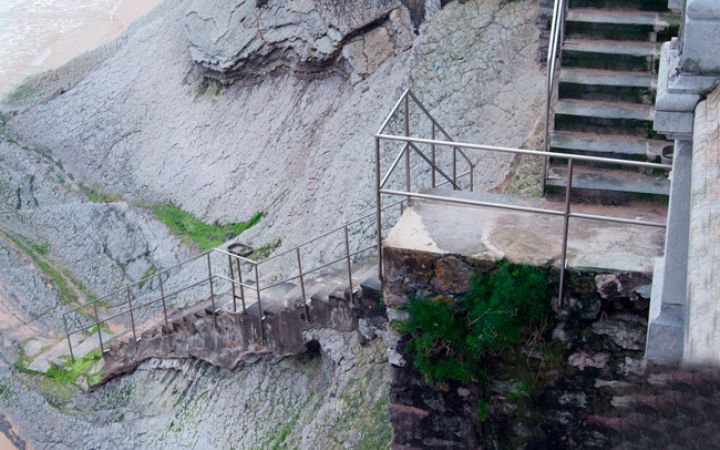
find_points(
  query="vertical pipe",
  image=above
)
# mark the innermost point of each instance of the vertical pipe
(406, 125)
(566, 226)
(260, 309)
(242, 288)
(302, 284)
(162, 296)
(472, 177)
(132, 314)
(72, 356)
(432, 156)
(454, 167)
(232, 283)
(212, 289)
(378, 209)
(349, 264)
(97, 324)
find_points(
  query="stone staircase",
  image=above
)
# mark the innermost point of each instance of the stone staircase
(221, 336)
(606, 89)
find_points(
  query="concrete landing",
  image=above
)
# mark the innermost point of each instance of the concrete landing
(528, 238)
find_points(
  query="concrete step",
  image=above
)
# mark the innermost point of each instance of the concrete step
(621, 24)
(606, 85)
(607, 145)
(603, 117)
(610, 54)
(643, 5)
(609, 185)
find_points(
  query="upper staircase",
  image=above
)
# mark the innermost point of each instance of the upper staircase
(606, 92)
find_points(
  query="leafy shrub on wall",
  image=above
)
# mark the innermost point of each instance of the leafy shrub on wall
(452, 338)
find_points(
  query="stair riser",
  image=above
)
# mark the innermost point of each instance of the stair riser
(643, 5)
(610, 93)
(620, 32)
(618, 155)
(627, 127)
(603, 197)
(573, 58)
(557, 162)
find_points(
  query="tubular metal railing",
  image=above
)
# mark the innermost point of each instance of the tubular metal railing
(557, 34)
(236, 275)
(566, 212)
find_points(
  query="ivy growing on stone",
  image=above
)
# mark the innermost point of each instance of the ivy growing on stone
(453, 338)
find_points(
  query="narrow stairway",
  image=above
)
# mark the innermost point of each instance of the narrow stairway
(606, 95)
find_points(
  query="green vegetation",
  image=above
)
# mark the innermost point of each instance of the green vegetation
(146, 276)
(189, 228)
(263, 252)
(70, 371)
(96, 196)
(21, 92)
(452, 338)
(483, 410)
(33, 251)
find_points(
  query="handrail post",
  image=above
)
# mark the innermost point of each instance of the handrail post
(162, 296)
(454, 172)
(260, 309)
(232, 283)
(432, 155)
(302, 284)
(132, 314)
(67, 334)
(97, 324)
(566, 226)
(242, 288)
(472, 177)
(406, 126)
(378, 209)
(212, 290)
(349, 263)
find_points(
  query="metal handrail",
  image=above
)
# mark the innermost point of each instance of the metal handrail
(233, 259)
(566, 212)
(557, 34)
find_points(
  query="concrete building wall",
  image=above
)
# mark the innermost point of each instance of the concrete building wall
(702, 342)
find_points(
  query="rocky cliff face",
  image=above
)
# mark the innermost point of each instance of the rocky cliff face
(226, 109)
(148, 123)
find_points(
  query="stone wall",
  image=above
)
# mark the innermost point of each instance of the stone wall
(702, 338)
(584, 385)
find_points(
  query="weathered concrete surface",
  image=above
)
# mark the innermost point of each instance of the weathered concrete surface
(491, 233)
(703, 283)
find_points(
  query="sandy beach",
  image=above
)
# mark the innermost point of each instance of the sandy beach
(42, 36)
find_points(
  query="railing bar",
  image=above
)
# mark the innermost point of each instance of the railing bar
(232, 285)
(67, 335)
(164, 305)
(525, 152)
(617, 220)
(551, 212)
(302, 286)
(132, 316)
(566, 227)
(394, 165)
(393, 111)
(349, 262)
(423, 156)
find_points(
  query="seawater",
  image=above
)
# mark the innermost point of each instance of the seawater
(30, 31)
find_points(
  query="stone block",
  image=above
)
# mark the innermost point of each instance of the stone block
(673, 123)
(701, 37)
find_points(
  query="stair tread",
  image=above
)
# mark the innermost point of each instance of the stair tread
(612, 180)
(607, 143)
(612, 47)
(600, 77)
(623, 17)
(605, 109)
